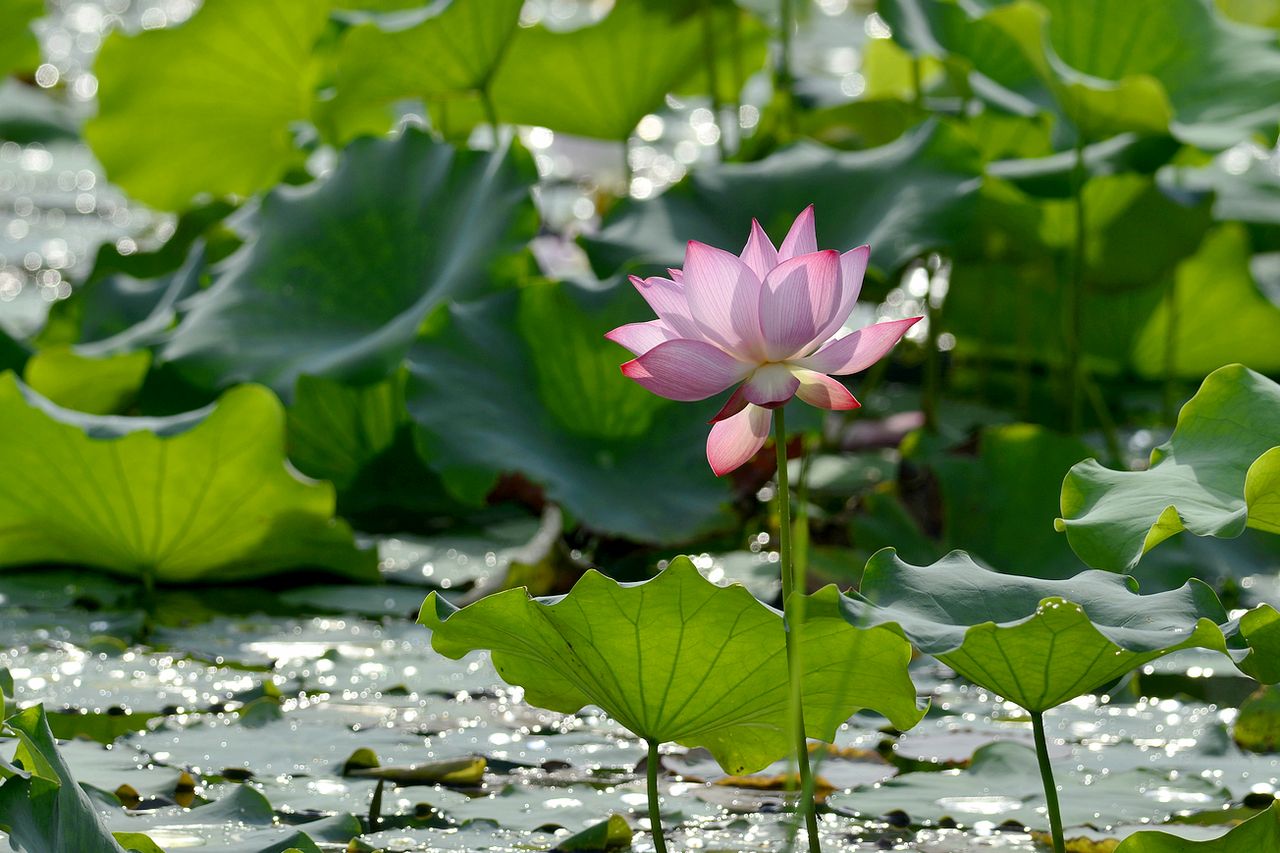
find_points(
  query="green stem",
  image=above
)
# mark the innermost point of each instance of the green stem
(932, 361)
(713, 75)
(793, 611)
(783, 78)
(1075, 301)
(1050, 789)
(655, 812)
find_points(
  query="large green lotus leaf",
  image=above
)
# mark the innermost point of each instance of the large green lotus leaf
(1003, 783)
(201, 496)
(1004, 48)
(525, 382)
(1219, 315)
(1222, 78)
(1035, 642)
(905, 198)
(1258, 833)
(339, 275)
(41, 806)
(679, 659)
(206, 107)
(1218, 473)
(600, 80)
(1016, 476)
(1007, 295)
(430, 53)
(19, 50)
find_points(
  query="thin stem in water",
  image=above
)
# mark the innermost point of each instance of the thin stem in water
(1050, 789)
(793, 611)
(655, 812)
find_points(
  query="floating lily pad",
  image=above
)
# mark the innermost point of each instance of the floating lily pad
(1003, 783)
(205, 495)
(680, 659)
(168, 137)
(1217, 474)
(1038, 643)
(407, 223)
(905, 198)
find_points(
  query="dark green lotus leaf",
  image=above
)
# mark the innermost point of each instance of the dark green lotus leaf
(41, 806)
(338, 276)
(201, 496)
(1007, 295)
(1222, 79)
(19, 50)
(1035, 642)
(178, 107)
(430, 53)
(1219, 315)
(1258, 833)
(525, 382)
(680, 659)
(1218, 473)
(905, 198)
(1003, 783)
(1054, 175)
(1010, 66)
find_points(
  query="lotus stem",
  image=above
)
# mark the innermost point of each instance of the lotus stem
(1050, 789)
(655, 811)
(793, 611)
(1074, 367)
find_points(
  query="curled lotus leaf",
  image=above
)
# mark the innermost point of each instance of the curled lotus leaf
(1218, 474)
(677, 658)
(1037, 642)
(202, 495)
(1260, 832)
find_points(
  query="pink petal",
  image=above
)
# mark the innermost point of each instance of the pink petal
(724, 298)
(858, 350)
(796, 300)
(642, 337)
(667, 299)
(734, 441)
(801, 239)
(759, 253)
(853, 266)
(685, 370)
(736, 403)
(770, 386)
(676, 275)
(818, 389)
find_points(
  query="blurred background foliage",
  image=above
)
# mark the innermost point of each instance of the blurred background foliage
(413, 223)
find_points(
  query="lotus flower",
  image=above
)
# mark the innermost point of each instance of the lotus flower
(767, 319)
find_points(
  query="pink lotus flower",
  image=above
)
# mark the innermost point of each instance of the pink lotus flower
(766, 318)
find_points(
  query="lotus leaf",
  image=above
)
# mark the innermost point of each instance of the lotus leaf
(1218, 473)
(202, 495)
(174, 112)
(338, 276)
(1039, 643)
(680, 659)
